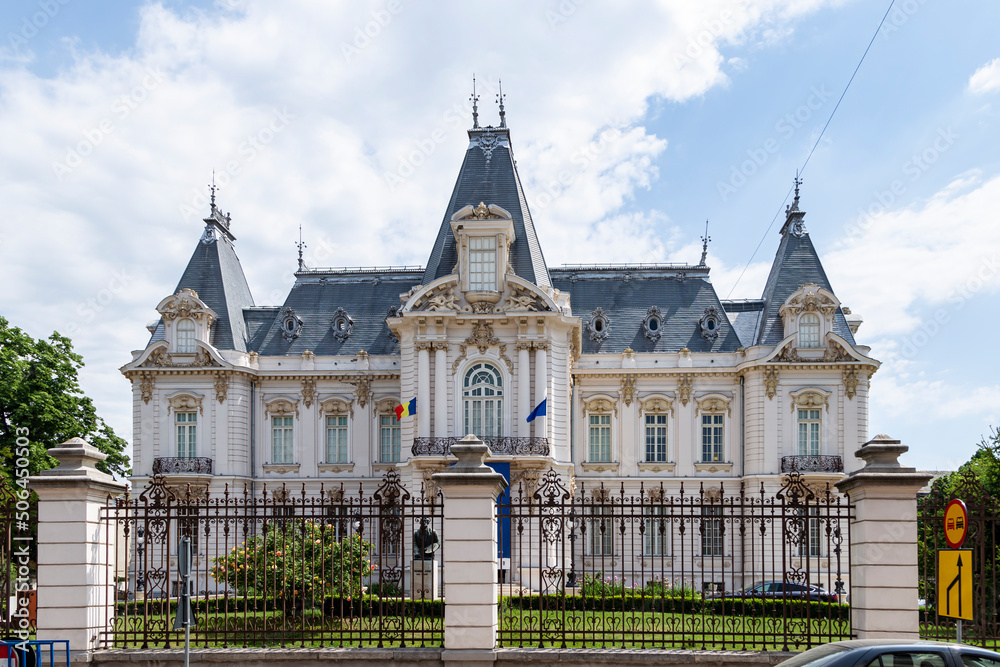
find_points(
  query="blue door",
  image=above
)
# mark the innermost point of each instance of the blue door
(503, 545)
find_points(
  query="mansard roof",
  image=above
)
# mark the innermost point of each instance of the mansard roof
(489, 175)
(625, 293)
(215, 273)
(365, 295)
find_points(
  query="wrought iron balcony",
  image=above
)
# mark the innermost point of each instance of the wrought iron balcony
(169, 465)
(812, 464)
(505, 446)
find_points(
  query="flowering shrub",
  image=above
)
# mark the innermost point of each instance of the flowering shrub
(596, 585)
(299, 562)
(671, 589)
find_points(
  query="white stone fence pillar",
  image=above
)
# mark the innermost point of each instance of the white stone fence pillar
(884, 542)
(470, 562)
(75, 581)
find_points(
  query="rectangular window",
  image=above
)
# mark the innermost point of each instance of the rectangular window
(336, 439)
(600, 530)
(187, 434)
(656, 530)
(711, 531)
(811, 545)
(712, 432)
(656, 437)
(483, 263)
(390, 439)
(809, 424)
(282, 445)
(600, 438)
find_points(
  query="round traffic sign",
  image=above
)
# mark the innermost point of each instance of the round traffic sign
(956, 523)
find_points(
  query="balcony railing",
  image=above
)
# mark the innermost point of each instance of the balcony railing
(504, 446)
(167, 465)
(812, 464)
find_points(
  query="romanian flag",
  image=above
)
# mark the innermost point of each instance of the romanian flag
(406, 409)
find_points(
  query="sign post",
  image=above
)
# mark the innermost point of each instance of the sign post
(954, 580)
(184, 616)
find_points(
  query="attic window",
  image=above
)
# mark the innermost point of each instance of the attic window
(599, 325)
(342, 324)
(709, 323)
(185, 336)
(291, 324)
(653, 324)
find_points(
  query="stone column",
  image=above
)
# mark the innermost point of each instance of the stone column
(541, 387)
(524, 405)
(883, 556)
(440, 390)
(76, 581)
(470, 558)
(423, 390)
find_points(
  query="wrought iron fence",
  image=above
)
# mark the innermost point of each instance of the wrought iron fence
(983, 539)
(674, 567)
(499, 446)
(277, 568)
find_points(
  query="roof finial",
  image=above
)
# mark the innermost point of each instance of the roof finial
(705, 240)
(500, 96)
(798, 182)
(213, 189)
(301, 245)
(475, 104)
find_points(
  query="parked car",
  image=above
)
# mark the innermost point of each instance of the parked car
(893, 653)
(787, 591)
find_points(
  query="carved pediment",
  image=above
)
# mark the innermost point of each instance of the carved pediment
(186, 304)
(279, 407)
(185, 402)
(715, 403)
(657, 403)
(481, 211)
(337, 406)
(809, 298)
(601, 404)
(385, 405)
(810, 398)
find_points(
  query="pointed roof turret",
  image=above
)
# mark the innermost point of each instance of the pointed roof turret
(795, 264)
(215, 273)
(489, 174)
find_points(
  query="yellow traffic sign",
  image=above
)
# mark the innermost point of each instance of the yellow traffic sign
(956, 523)
(955, 583)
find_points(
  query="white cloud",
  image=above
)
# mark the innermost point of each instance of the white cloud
(986, 79)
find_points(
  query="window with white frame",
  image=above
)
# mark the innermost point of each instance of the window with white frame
(810, 544)
(809, 330)
(483, 263)
(809, 432)
(185, 336)
(390, 439)
(187, 434)
(482, 400)
(282, 440)
(713, 431)
(600, 531)
(711, 531)
(600, 437)
(656, 528)
(656, 437)
(336, 439)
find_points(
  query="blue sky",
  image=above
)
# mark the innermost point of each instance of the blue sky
(632, 122)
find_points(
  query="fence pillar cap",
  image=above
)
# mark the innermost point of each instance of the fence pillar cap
(881, 456)
(471, 469)
(77, 464)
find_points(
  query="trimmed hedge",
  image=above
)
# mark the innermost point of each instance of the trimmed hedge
(335, 607)
(630, 602)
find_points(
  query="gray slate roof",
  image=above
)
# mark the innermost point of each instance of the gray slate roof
(493, 181)
(744, 316)
(682, 295)
(315, 297)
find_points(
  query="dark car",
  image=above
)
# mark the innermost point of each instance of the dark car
(894, 653)
(787, 591)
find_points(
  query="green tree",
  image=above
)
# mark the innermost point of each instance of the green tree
(41, 399)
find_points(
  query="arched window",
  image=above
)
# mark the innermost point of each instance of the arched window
(483, 401)
(809, 330)
(185, 336)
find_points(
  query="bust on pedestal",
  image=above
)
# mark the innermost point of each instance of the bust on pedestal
(425, 576)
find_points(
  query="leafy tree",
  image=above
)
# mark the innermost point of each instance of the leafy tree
(298, 562)
(41, 399)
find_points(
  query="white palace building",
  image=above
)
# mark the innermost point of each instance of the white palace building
(648, 376)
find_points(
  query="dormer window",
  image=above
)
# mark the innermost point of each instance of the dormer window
(483, 263)
(186, 336)
(809, 330)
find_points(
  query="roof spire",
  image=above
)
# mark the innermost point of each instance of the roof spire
(301, 245)
(500, 97)
(793, 214)
(475, 104)
(798, 182)
(213, 188)
(705, 240)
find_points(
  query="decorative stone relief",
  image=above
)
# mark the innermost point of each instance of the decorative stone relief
(185, 402)
(482, 338)
(334, 496)
(291, 324)
(445, 301)
(810, 398)
(684, 389)
(146, 381)
(655, 495)
(709, 323)
(601, 404)
(771, 381)
(385, 406)
(342, 324)
(521, 299)
(836, 352)
(528, 479)
(810, 298)
(600, 495)
(850, 382)
(599, 325)
(160, 358)
(186, 304)
(337, 406)
(628, 390)
(652, 325)
(221, 387)
(715, 403)
(713, 494)
(308, 391)
(281, 407)
(789, 354)
(363, 391)
(659, 404)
